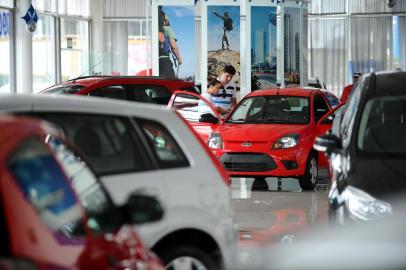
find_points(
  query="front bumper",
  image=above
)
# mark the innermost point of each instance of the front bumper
(277, 163)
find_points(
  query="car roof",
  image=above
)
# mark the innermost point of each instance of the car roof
(87, 80)
(73, 103)
(390, 82)
(294, 91)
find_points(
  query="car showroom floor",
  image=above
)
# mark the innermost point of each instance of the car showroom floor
(266, 215)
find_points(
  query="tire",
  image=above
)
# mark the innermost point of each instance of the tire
(308, 181)
(186, 254)
(260, 184)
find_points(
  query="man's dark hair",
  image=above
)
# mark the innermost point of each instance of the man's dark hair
(214, 82)
(229, 69)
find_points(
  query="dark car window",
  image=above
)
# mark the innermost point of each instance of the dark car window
(349, 112)
(383, 126)
(272, 110)
(193, 89)
(332, 100)
(191, 107)
(102, 216)
(320, 107)
(64, 89)
(164, 146)
(5, 245)
(148, 94)
(46, 187)
(109, 142)
(111, 91)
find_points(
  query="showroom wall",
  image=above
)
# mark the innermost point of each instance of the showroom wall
(347, 36)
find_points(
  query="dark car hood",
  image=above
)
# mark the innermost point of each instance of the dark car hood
(383, 178)
(258, 132)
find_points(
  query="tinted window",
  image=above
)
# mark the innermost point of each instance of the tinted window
(109, 142)
(383, 126)
(149, 94)
(64, 89)
(111, 91)
(45, 186)
(191, 107)
(193, 89)
(101, 214)
(164, 146)
(332, 100)
(320, 107)
(272, 110)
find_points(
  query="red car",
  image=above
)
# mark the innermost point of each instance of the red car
(269, 133)
(43, 186)
(141, 89)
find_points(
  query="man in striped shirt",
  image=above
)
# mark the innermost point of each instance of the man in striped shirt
(225, 98)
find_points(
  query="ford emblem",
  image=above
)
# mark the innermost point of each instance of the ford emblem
(246, 144)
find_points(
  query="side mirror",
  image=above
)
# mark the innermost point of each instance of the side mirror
(327, 143)
(141, 209)
(208, 118)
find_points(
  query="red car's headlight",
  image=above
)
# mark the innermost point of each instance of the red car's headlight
(287, 141)
(215, 141)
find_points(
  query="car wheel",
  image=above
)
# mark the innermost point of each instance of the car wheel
(186, 257)
(260, 184)
(308, 181)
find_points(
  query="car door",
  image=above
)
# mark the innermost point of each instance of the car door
(323, 126)
(197, 111)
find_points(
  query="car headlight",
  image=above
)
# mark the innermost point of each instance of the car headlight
(215, 141)
(363, 206)
(287, 141)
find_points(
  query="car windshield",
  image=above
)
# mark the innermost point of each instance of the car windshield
(383, 126)
(272, 110)
(64, 89)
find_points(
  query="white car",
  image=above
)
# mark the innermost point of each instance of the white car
(149, 148)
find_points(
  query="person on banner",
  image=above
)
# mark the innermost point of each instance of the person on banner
(227, 27)
(167, 48)
(226, 98)
(348, 89)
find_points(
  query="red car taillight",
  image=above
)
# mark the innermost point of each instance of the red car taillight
(213, 158)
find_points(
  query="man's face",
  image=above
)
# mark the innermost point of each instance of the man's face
(355, 79)
(225, 78)
(216, 88)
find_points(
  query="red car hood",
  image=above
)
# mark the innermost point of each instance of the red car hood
(257, 132)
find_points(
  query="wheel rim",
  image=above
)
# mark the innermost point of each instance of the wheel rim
(185, 263)
(313, 171)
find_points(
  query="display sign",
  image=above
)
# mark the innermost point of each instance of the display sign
(176, 37)
(292, 45)
(263, 47)
(223, 40)
(4, 23)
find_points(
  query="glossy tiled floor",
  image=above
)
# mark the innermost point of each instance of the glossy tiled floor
(266, 215)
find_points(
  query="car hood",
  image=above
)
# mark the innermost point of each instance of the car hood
(258, 132)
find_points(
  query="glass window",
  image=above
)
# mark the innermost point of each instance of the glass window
(383, 126)
(43, 47)
(149, 94)
(163, 145)
(320, 107)
(107, 141)
(126, 47)
(191, 107)
(65, 89)
(101, 214)
(74, 48)
(110, 91)
(46, 187)
(74, 7)
(45, 5)
(272, 110)
(7, 3)
(5, 41)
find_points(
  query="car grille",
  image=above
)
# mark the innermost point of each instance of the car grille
(247, 162)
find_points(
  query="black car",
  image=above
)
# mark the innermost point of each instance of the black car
(367, 149)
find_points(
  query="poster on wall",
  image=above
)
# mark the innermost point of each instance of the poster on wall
(176, 37)
(292, 44)
(223, 40)
(263, 47)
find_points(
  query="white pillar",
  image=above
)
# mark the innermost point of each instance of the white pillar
(97, 41)
(24, 82)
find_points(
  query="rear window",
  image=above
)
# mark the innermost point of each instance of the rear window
(64, 89)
